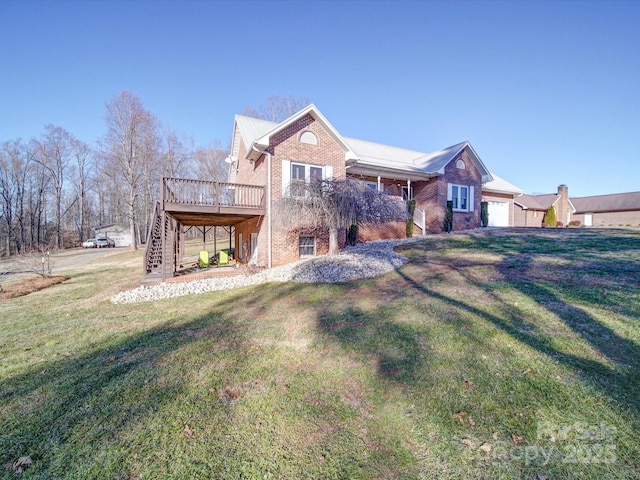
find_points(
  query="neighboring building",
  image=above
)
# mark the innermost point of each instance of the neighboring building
(267, 157)
(119, 234)
(618, 209)
(530, 209)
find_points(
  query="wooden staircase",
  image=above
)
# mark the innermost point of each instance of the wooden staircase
(153, 256)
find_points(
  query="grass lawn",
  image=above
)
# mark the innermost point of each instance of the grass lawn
(491, 354)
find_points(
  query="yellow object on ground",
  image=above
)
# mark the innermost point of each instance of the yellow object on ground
(204, 259)
(223, 257)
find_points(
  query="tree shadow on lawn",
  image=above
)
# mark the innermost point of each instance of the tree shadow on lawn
(619, 383)
(64, 412)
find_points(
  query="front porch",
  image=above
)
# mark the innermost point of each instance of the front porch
(188, 203)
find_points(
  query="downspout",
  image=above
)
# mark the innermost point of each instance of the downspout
(269, 228)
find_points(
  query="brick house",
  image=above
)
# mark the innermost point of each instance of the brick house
(306, 145)
(530, 209)
(618, 209)
(266, 157)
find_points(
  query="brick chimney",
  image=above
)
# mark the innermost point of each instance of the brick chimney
(563, 211)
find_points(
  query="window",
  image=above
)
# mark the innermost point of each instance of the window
(460, 164)
(372, 186)
(315, 174)
(296, 175)
(297, 179)
(461, 196)
(308, 137)
(307, 246)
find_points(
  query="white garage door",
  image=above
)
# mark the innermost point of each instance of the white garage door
(498, 214)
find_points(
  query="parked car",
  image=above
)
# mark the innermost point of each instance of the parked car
(89, 243)
(104, 242)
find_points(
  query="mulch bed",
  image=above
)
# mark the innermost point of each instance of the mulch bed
(29, 285)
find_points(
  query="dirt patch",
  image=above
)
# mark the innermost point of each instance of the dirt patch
(29, 285)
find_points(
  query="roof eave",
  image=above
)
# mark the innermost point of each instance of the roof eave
(375, 170)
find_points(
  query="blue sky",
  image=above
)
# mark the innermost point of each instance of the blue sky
(546, 92)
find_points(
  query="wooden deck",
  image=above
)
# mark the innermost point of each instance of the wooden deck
(199, 203)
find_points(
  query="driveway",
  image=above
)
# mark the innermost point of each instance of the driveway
(14, 268)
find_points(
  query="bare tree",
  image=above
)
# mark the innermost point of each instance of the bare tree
(177, 154)
(129, 148)
(54, 154)
(336, 204)
(208, 162)
(277, 108)
(83, 171)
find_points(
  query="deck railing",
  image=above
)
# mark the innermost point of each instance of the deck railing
(207, 193)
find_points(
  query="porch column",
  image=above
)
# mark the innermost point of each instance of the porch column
(408, 189)
(379, 182)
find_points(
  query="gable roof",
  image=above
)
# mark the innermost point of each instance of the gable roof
(607, 203)
(361, 156)
(500, 185)
(537, 202)
(376, 157)
(257, 134)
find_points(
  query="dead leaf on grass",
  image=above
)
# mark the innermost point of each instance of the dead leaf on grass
(460, 416)
(187, 431)
(464, 419)
(517, 439)
(469, 384)
(486, 447)
(19, 465)
(467, 442)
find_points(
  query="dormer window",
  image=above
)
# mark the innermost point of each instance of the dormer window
(460, 164)
(308, 137)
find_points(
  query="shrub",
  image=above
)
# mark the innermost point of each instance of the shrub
(549, 219)
(448, 217)
(559, 224)
(484, 213)
(352, 234)
(411, 208)
(575, 223)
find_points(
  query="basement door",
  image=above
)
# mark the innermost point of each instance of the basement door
(498, 214)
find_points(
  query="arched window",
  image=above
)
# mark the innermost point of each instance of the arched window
(460, 164)
(308, 137)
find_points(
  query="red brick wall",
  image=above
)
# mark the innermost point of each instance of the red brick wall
(526, 218)
(367, 233)
(612, 219)
(437, 195)
(285, 145)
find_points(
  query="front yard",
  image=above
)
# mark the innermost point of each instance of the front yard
(491, 354)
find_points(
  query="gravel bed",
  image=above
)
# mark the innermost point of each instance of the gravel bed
(365, 260)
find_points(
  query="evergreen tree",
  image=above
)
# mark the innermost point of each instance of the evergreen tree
(448, 217)
(411, 208)
(549, 219)
(484, 213)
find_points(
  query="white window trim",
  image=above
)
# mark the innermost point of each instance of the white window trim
(470, 196)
